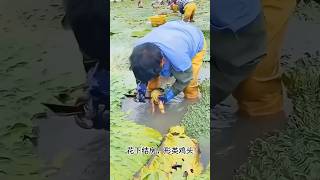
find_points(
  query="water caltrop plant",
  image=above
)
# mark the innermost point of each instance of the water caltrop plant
(293, 153)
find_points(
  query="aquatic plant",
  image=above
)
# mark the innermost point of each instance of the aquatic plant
(205, 175)
(197, 118)
(179, 158)
(293, 153)
(26, 81)
(125, 134)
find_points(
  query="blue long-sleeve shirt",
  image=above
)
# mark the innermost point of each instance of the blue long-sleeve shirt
(233, 14)
(179, 42)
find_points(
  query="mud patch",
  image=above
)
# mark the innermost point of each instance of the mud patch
(69, 152)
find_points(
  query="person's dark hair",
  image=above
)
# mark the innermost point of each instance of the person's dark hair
(145, 61)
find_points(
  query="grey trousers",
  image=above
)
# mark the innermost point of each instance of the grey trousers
(235, 55)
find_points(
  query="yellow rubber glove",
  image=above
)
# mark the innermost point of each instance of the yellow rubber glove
(155, 100)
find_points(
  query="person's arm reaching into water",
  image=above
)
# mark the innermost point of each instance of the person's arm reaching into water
(182, 81)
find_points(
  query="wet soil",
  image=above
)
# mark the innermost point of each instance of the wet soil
(69, 152)
(232, 138)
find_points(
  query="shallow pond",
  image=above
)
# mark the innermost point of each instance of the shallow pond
(141, 113)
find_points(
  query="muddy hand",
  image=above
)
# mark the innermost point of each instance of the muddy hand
(152, 104)
(155, 100)
(161, 107)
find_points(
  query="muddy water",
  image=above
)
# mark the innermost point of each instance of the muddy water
(232, 135)
(141, 113)
(69, 152)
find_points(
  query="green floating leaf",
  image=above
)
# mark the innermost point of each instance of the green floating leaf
(140, 33)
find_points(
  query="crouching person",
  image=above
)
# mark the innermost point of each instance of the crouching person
(174, 49)
(188, 9)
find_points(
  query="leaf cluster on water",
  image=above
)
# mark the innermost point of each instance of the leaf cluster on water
(125, 134)
(197, 118)
(26, 81)
(293, 153)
